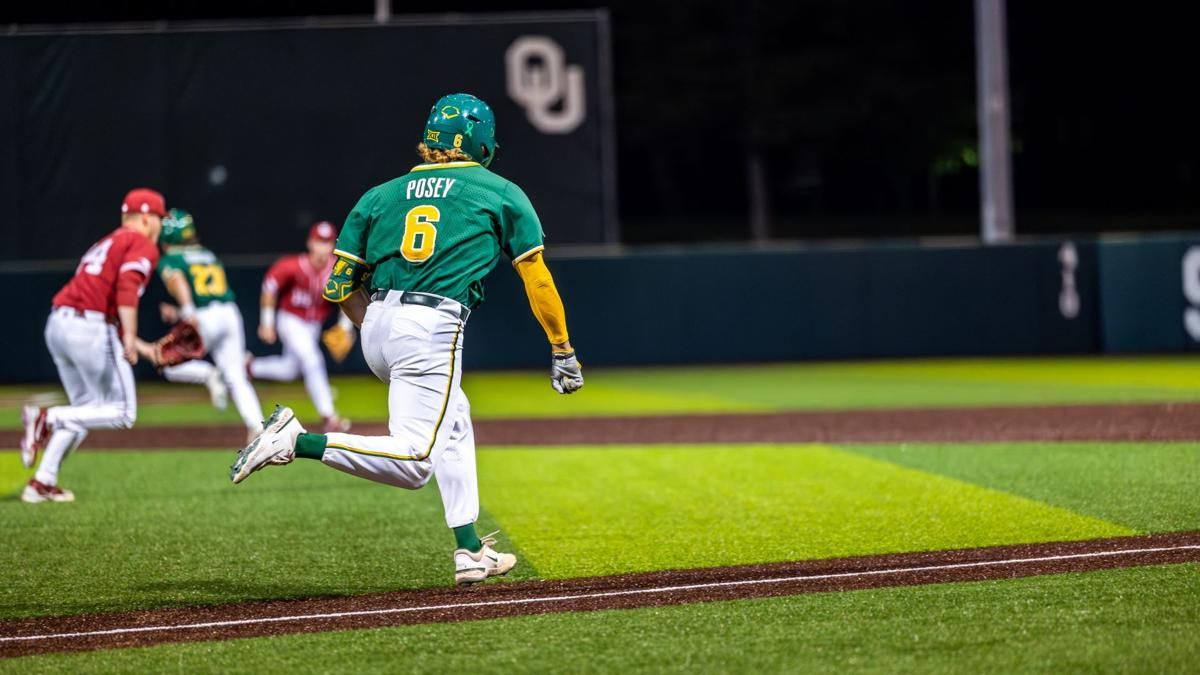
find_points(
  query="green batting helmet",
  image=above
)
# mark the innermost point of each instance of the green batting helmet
(464, 122)
(178, 227)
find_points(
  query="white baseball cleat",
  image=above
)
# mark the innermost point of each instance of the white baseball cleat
(218, 393)
(36, 433)
(471, 568)
(275, 445)
(36, 493)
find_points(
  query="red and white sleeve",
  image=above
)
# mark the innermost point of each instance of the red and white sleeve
(137, 265)
(278, 278)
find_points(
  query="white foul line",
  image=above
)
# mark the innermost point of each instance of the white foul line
(603, 594)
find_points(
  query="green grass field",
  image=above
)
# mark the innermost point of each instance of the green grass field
(166, 529)
(652, 391)
(1134, 620)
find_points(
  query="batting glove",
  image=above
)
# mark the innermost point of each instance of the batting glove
(566, 375)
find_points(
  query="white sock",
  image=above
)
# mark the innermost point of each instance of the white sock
(52, 457)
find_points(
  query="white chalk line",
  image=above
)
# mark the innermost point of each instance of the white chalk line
(603, 594)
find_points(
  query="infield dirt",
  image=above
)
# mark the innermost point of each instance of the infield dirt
(1125, 422)
(496, 600)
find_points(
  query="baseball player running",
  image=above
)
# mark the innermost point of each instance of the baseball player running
(293, 285)
(426, 240)
(92, 336)
(195, 278)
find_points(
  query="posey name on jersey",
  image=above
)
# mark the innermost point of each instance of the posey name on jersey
(428, 188)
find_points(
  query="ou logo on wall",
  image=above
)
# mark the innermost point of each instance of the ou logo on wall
(539, 79)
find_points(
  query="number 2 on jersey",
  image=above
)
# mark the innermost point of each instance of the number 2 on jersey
(420, 235)
(210, 280)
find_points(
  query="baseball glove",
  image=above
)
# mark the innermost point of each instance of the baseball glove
(338, 341)
(181, 343)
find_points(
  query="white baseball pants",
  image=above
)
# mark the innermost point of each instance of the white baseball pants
(301, 355)
(417, 351)
(98, 380)
(221, 328)
(190, 372)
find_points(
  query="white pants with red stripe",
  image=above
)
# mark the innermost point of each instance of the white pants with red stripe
(221, 328)
(417, 351)
(302, 355)
(98, 381)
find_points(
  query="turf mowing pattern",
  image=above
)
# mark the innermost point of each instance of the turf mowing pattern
(635, 509)
(1150, 487)
(166, 529)
(169, 530)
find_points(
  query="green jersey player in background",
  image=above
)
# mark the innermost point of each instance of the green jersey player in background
(411, 261)
(195, 278)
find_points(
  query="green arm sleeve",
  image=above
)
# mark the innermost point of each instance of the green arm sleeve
(351, 269)
(347, 276)
(520, 229)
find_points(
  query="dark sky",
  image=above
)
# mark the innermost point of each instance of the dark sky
(863, 113)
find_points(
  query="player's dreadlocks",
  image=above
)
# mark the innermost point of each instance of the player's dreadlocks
(438, 156)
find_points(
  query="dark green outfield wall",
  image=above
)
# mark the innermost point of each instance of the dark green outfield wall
(1149, 287)
(781, 305)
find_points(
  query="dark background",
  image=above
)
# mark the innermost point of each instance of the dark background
(261, 132)
(863, 112)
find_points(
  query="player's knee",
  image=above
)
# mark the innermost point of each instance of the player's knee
(70, 427)
(422, 480)
(292, 367)
(415, 473)
(236, 379)
(127, 417)
(312, 363)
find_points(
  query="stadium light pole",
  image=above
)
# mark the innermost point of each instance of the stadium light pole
(383, 11)
(995, 167)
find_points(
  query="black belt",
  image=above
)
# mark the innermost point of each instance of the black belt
(424, 299)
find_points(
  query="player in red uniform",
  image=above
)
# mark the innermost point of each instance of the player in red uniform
(92, 336)
(293, 311)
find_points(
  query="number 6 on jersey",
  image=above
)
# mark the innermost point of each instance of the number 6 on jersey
(420, 235)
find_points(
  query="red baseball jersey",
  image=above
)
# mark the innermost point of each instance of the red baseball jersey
(114, 272)
(299, 287)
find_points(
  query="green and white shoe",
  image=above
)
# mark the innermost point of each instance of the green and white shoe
(474, 567)
(275, 445)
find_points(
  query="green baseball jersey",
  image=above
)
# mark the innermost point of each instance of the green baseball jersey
(204, 273)
(440, 229)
